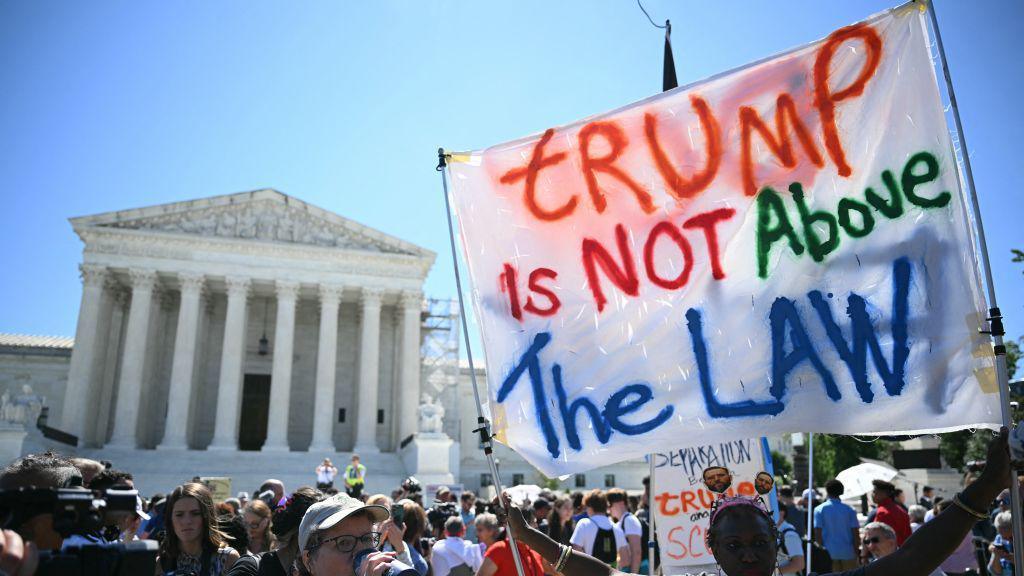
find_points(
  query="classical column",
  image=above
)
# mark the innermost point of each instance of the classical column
(118, 298)
(281, 373)
(133, 364)
(101, 353)
(229, 391)
(369, 365)
(179, 398)
(409, 379)
(83, 355)
(326, 366)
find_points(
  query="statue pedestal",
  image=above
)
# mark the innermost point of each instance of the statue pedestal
(429, 458)
(12, 436)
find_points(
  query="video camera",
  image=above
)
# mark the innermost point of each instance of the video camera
(411, 485)
(440, 512)
(84, 513)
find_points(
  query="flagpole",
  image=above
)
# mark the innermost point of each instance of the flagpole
(809, 505)
(995, 318)
(484, 425)
(650, 518)
(668, 82)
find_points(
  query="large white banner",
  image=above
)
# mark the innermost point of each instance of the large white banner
(780, 248)
(682, 504)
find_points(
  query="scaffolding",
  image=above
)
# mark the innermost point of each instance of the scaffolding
(440, 352)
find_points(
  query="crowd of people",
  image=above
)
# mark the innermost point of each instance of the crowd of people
(319, 531)
(849, 543)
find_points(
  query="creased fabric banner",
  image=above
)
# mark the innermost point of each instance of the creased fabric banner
(785, 247)
(682, 504)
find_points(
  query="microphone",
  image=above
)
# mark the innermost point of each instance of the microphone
(395, 569)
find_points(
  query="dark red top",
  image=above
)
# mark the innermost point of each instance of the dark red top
(501, 555)
(889, 512)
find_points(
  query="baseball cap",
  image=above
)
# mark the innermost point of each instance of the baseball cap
(138, 508)
(329, 512)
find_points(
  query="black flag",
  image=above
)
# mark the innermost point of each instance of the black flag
(669, 77)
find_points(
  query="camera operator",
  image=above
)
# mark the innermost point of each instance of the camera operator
(47, 470)
(19, 549)
(411, 490)
(438, 515)
(59, 523)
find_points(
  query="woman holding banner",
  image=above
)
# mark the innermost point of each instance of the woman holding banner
(742, 535)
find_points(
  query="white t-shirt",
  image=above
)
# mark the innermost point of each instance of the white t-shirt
(451, 552)
(586, 532)
(325, 474)
(794, 545)
(630, 525)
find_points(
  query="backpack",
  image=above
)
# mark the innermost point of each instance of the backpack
(604, 546)
(461, 570)
(645, 534)
(821, 560)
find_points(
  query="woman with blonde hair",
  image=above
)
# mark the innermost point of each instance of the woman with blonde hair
(258, 524)
(194, 543)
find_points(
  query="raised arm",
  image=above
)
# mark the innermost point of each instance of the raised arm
(936, 540)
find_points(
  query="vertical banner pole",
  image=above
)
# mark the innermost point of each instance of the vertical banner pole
(995, 318)
(650, 519)
(810, 507)
(484, 426)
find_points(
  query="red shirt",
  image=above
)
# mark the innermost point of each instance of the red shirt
(889, 512)
(501, 555)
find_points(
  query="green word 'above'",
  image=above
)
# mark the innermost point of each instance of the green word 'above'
(819, 229)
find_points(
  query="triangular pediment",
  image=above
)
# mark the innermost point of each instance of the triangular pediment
(266, 215)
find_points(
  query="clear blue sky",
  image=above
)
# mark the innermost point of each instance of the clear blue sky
(114, 105)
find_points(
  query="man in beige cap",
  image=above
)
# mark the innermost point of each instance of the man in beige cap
(334, 531)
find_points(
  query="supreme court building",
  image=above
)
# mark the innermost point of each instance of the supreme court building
(193, 311)
(251, 335)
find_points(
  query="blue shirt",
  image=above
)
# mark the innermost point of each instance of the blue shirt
(1006, 565)
(837, 522)
(418, 563)
(469, 521)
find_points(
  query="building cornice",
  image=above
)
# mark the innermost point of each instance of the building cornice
(219, 250)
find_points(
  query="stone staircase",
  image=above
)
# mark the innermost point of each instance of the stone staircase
(162, 470)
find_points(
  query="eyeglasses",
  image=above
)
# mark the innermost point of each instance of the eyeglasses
(872, 540)
(346, 543)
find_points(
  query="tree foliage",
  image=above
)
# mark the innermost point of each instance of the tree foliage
(834, 453)
(782, 467)
(1013, 355)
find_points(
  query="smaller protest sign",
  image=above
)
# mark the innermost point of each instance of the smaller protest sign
(682, 502)
(220, 487)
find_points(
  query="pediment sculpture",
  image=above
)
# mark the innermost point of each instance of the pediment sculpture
(262, 220)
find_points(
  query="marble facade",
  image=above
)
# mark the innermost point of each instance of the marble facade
(176, 299)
